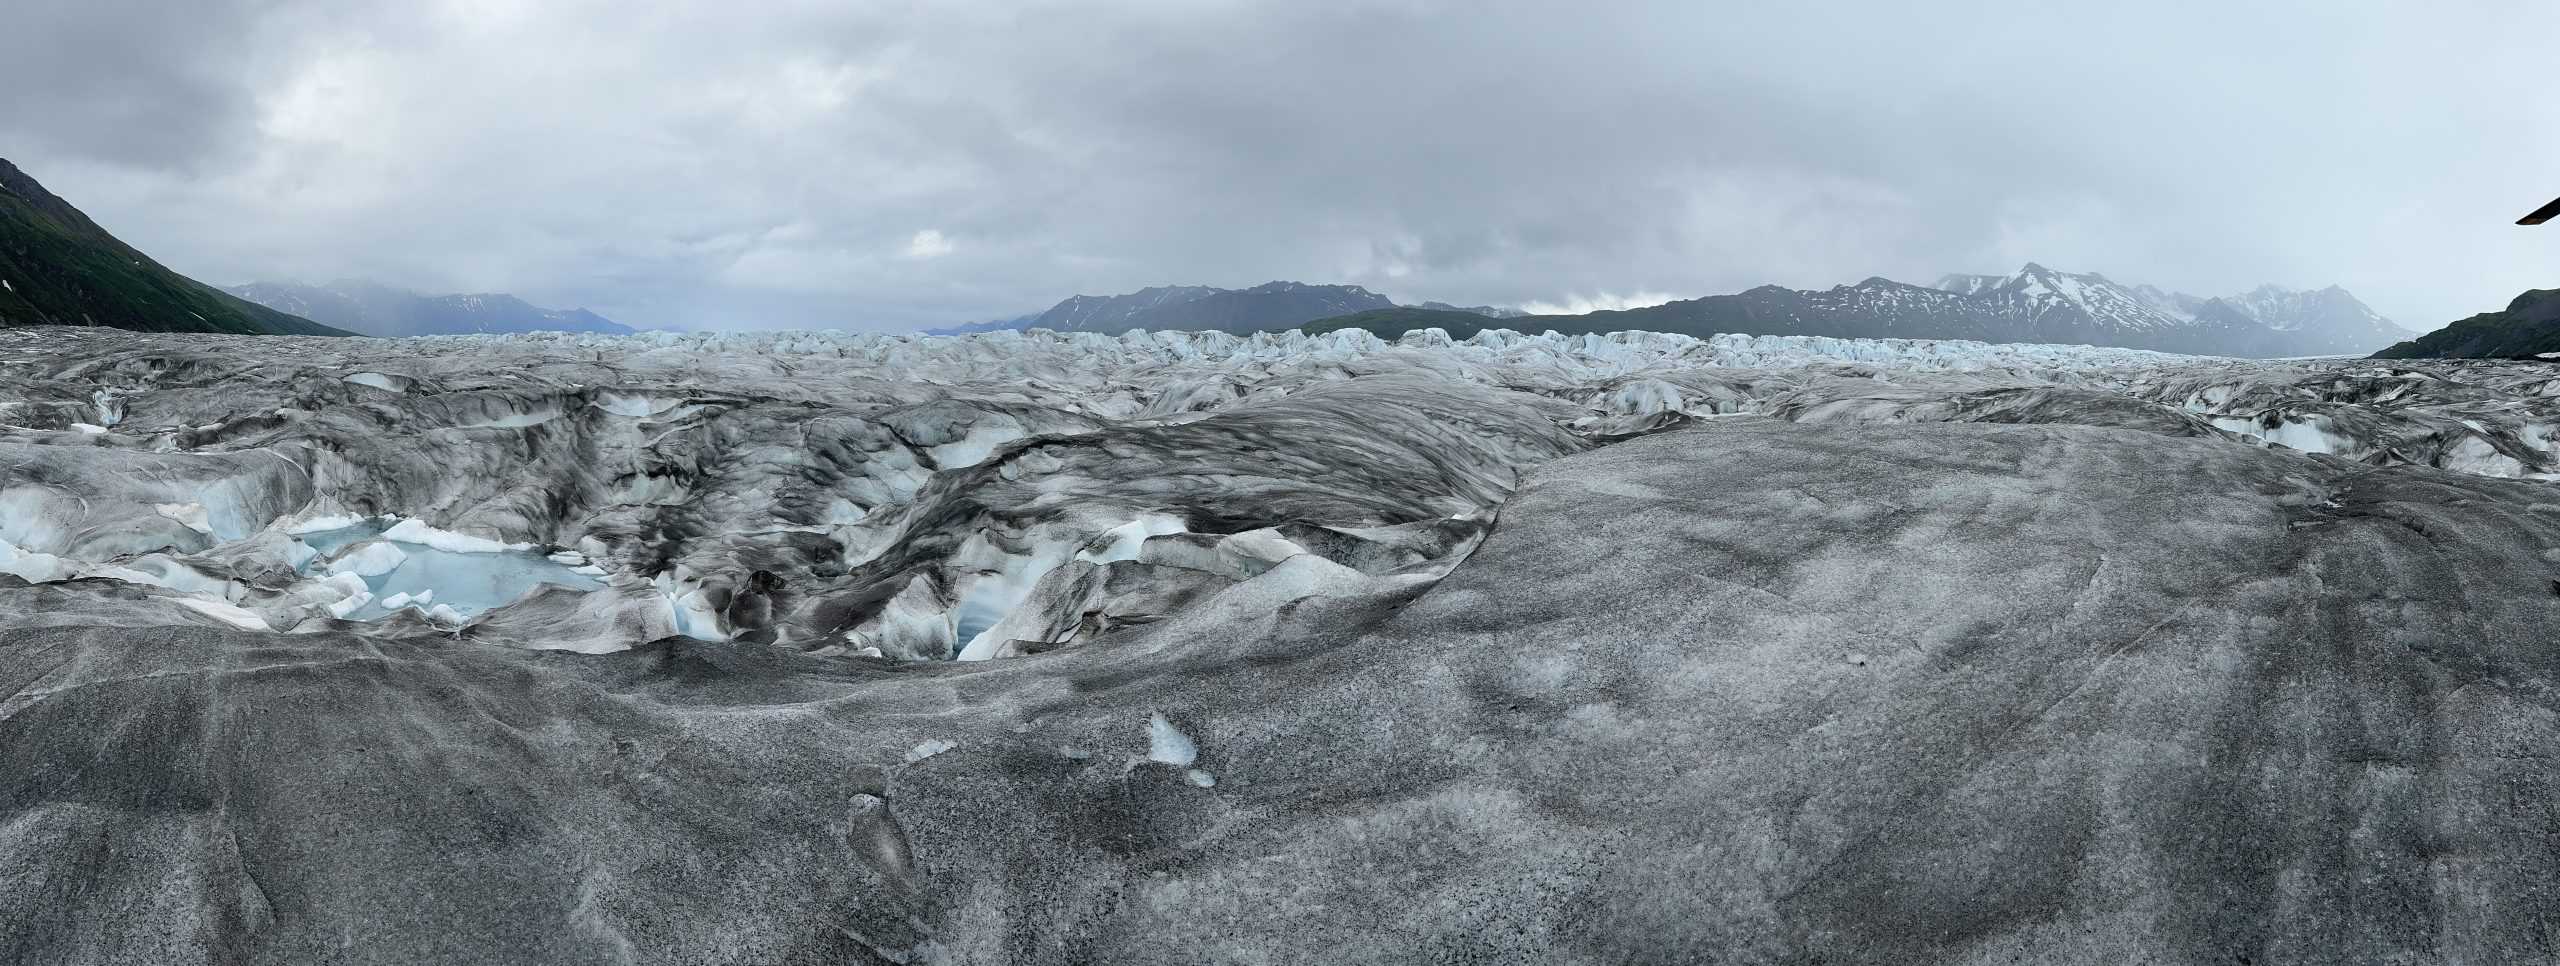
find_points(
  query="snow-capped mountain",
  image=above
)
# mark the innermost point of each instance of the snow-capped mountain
(2267, 320)
(2063, 302)
(374, 309)
(1878, 308)
(2328, 320)
(2033, 305)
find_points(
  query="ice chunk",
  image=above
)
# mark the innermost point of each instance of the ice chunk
(191, 514)
(1167, 744)
(636, 406)
(369, 560)
(34, 568)
(346, 584)
(1644, 397)
(418, 532)
(1123, 542)
(380, 380)
(350, 604)
(928, 748)
(323, 524)
(418, 600)
(687, 607)
(2305, 433)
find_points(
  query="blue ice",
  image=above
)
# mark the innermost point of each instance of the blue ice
(470, 583)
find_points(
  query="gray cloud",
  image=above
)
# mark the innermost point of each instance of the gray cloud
(126, 80)
(775, 164)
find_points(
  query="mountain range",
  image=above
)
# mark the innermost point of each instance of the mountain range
(2038, 304)
(57, 267)
(380, 310)
(2035, 304)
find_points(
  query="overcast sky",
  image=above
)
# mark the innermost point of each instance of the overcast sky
(887, 165)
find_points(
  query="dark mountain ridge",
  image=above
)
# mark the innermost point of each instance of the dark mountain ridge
(57, 267)
(1271, 305)
(2529, 327)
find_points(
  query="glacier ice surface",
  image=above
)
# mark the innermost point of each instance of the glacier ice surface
(1779, 649)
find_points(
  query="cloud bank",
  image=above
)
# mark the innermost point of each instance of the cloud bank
(888, 165)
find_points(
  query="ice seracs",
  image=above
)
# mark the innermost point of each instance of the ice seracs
(1509, 648)
(1010, 493)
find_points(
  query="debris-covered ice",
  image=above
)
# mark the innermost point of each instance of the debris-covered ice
(1503, 649)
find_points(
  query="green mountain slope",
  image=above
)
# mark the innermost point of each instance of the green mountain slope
(2529, 326)
(59, 268)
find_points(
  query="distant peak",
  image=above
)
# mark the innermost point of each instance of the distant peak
(1288, 286)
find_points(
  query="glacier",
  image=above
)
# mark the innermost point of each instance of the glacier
(1183, 647)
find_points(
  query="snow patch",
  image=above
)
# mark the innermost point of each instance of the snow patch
(1124, 541)
(226, 612)
(635, 406)
(322, 524)
(1167, 744)
(193, 515)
